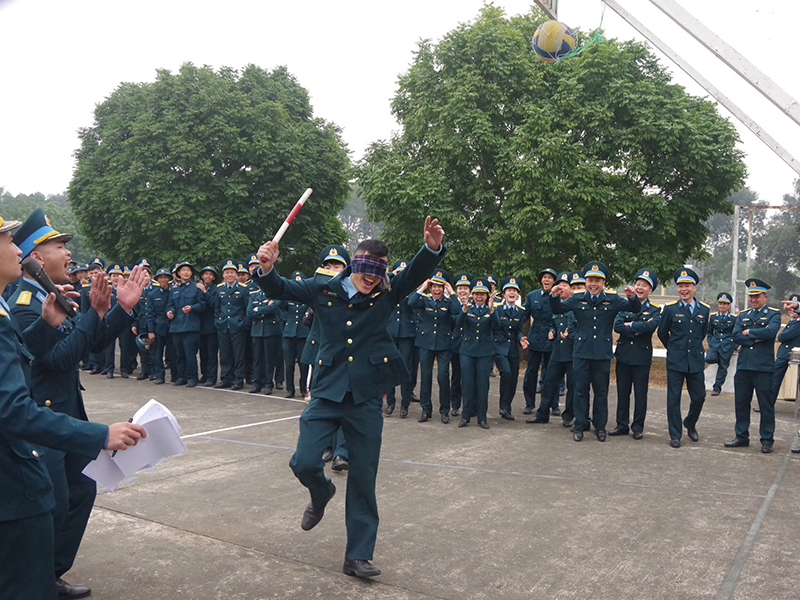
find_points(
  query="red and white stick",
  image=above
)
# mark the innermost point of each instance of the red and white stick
(292, 215)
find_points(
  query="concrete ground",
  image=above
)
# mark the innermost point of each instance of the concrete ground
(518, 511)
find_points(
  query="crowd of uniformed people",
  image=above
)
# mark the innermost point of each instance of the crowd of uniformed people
(218, 327)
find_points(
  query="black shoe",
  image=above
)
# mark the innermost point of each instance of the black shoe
(637, 435)
(445, 418)
(577, 436)
(403, 412)
(795, 450)
(527, 411)
(766, 449)
(86, 368)
(414, 397)
(483, 424)
(422, 418)
(312, 516)
(141, 376)
(190, 384)
(360, 568)
(692, 433)
(389, 409)
(289, 394)
(463, 423)
(618, 431)
(255, 389)
(555, 412)
(180, 382)
(279, 385)
(159, 382)
(95, 371)
(567, 423)
(675, 443)
(756, 409)
(340, 463)
(454, 412)
(738, 443)
(327, 456)
(210, 384)
(151, 377)
(268, 390)
(715, 392)
(110, 375)
(248, 380)
(507, 416)
(537, 418)
(66, 590)
(237, 386)
(222, 385)
(124, 375)
(562, 392)
(601, 435)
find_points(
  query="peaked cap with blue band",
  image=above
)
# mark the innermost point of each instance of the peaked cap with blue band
(724, 297)
(36, 230)
(595, 269)
(576, 277)
(8, 225)
(648, 275)
(686, 275)
(439, 276)
(463, 279)
(756, 286)
(510, 282)
(334, 252)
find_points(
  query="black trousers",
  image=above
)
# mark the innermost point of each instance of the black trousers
(509, 380)
(442, 377)
(26, 555)
(455, 380)
(292, 350)
(588, 373)
(157, 353)
(187, 344)
(696, 386)
(777, 377)
(127, 351)
(530, 382)
(265, 359)
(231, 356)
(209, 357)
(745, 383)
(406, 348)
(638, 378)
(556, 370)
(723, 361)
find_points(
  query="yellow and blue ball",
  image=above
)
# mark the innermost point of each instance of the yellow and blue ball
(553, 40)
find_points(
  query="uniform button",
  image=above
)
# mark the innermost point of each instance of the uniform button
(350, 323)
(385, 359)
(47, 403)
(35, 454)
(320, 362)
(350, 358)
(595, 337)
(349, 306)
(313, 341)
(349, 341)
(330, 304)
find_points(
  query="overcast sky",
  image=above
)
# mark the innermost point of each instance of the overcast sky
(62, 57)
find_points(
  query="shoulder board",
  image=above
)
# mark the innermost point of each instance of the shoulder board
(86, 285)
(3, 313)
(671, 303)
(775, 309)
(244, 285)
(24, 298)
(254, 292)
(220, 284)
(653, 304)
(704, 304)
(328, 272)
(426, 295)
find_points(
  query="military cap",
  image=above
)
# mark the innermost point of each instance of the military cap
(143, 261)
(724, 297)
(97, 263)
(399, 265)
(297, 275)
(71, 269)
(163, 271)
(81, 267)
(114, 268)
(510, 282)
(463, 279)
(756, 286)
(440, 276)
(492, 280)
(544, 272)
(126, 269)
(647, 275)
(334, 252)
(253, 260)
(480, 285)
(686, 275)
(242, 268)
(595, 269)
(72, 262)
(8, 225)
(35, 230)
(576, 277)
(208, 268)
(229, 263)
(794, 297)
(185, 263)
(563, 277)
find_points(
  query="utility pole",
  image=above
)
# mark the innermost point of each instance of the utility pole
(735, 261)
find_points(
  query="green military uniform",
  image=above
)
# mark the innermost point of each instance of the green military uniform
(265, 336)
(506, 344)
(230, 318)
(295, 333)
(788, 338)
(357, 361)
(720, 342)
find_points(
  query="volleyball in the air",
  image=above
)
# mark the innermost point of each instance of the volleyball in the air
(553, 40)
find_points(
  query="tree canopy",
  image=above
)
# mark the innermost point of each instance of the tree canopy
(531, 165)
(202, 164)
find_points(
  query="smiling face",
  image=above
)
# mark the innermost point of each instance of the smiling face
(462, 291)
(55, 258)
(642, 289)
(511, 294)
(10, 260)
(185, 273)
(242, 277)
(723, 307)
(757, 300)
(365, 283)
(208, 278)
(480, 298)
(437, 290)
(163, 280)
(229, 275)
(686, 291)
(547, 282)
(595, 284)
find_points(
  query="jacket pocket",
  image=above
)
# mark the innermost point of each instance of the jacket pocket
(34, 476)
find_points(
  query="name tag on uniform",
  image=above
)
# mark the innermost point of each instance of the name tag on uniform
(41, 296)
(329, 293)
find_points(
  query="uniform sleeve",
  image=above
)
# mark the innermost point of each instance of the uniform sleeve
(252, 309)
(738, 336)
(303, 291)
(647, 327)
(621, 328)
(415, 300)
(769, 332)
(417, 271)
(664, 326)
(558, 306)
(67, 352)
(791, 333)
(199, 304)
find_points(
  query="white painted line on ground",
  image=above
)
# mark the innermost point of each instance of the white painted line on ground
(258, 395)
(183, 437)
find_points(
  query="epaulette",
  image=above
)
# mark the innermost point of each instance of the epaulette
(656, 305)
(254, 291)
(86, 285)
(671, 303)
(425, 294)
(220, 284)
(3, 313)
(24, 298)
(711, 315)
(775, 309)
(704, 304)
(244, 285)
(329, 273)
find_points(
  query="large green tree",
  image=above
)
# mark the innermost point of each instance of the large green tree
(204, 164)
(529, 165)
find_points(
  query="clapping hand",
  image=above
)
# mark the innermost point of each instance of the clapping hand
(434, 233)
(129, 292)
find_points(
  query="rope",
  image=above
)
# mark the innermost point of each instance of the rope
(595, 38)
